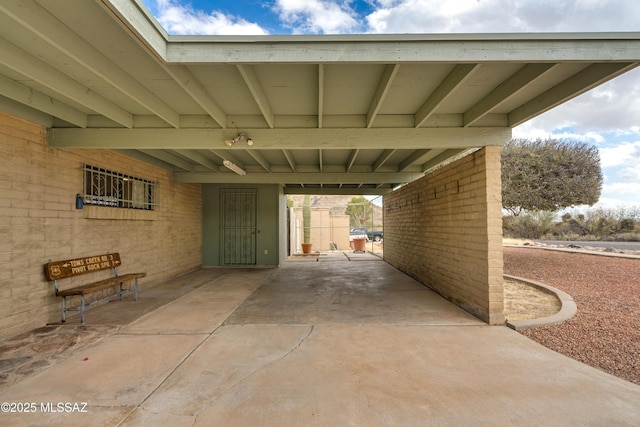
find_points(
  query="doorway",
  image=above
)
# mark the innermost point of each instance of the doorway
(238, 226)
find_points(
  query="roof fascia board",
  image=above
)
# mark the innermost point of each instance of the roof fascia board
(455, 37)
(134, 16)
(478, 47)
(377, 50)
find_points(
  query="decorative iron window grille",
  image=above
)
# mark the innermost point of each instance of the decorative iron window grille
(107, 188)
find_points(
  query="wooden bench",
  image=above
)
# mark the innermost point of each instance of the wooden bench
(57, 270)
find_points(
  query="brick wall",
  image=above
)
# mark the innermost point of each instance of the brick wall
(39, 221)
(445, 230)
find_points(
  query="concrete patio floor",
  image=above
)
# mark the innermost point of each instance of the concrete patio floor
(326, 342)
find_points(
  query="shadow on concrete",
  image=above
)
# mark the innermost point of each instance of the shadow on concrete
(315, 343)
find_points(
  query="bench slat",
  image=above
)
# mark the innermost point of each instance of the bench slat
(56, 270)
(99, 285)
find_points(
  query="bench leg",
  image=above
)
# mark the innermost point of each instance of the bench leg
(64, 309)
(121, 291)
(136, 291)
(82, 310)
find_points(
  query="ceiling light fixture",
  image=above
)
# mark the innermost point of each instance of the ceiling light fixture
(242, 137)
(232, 166)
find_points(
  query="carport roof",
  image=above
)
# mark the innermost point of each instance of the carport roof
(351, 114)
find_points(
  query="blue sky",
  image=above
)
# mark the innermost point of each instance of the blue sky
(607, 116)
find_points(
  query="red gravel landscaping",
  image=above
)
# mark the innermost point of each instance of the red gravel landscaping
(605, 333)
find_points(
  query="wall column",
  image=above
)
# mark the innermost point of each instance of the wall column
(445, 230)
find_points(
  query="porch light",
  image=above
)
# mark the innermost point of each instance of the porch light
(242, 137)
(232, 166)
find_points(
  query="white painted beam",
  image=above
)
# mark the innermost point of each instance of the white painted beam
(21, 62)
(169, 158)
(289, 156)
(352, 159)
(226, 155)
(197, 92)
(260, 159)
(22, 110)
(579, 83)
(412, 158)
(518, 81)
(195, 156)
(446, 154)
(390, 72)
(339, 191)
(280, 139)
(40, 22)
(253, 83)
(34, 99)
(445, 89)
(382, 158)
(307, 178)
(320, 95)
(147, 159)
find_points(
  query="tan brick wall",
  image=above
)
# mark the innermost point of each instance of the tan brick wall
(39, 221)
(445, 230)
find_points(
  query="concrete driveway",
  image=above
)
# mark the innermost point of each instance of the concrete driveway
(332, 342)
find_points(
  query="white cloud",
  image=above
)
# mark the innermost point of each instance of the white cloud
(623, 189)
(316, 16)
(623, 154)
(630, 174)
(613, 107)
(181, 19)
(468, 16)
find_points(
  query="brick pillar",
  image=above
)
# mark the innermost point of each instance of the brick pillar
(445, 230)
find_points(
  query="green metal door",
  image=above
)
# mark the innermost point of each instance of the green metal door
(238, 226)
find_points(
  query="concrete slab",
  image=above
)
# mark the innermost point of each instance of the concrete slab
(383, 375)
(356, 343)
(346, 292)
(361, 256)
(118, 372)
(116, 312)
(203, 309)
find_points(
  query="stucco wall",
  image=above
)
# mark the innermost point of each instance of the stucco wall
(445, 230)
(39, 221)
(328, 232)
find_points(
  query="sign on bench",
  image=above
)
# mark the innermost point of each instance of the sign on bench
(57, 270)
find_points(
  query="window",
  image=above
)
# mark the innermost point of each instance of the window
(106, 188)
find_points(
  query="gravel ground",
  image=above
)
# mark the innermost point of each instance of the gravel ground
(605, 333)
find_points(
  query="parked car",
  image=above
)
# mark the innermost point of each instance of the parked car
(358, 233)
(376, 236)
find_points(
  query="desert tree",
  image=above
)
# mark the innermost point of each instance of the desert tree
(359, 210)
(549, 175)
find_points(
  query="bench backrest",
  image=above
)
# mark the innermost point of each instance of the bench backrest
(74, 267)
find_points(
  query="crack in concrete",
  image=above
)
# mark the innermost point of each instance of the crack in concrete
(261, 368)
(273, 362)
